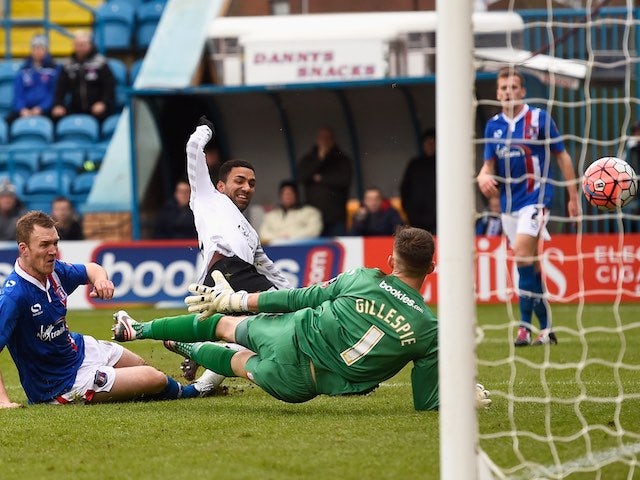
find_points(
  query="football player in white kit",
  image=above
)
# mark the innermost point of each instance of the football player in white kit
(226, 239)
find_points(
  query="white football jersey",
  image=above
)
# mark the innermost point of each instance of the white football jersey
(220, 224)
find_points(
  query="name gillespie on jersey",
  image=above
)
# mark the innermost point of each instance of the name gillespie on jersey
(389, 316)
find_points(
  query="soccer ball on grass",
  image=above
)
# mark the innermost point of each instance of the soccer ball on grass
(609, 183)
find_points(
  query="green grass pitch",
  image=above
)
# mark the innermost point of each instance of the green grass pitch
(246, 434)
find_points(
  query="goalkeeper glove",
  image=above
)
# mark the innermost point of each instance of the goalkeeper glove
(483, 399)
(203, 120)
(220, 298)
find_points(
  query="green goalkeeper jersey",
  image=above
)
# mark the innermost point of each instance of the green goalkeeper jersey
(363, 327)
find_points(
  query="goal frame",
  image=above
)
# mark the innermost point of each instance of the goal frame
(456, 306)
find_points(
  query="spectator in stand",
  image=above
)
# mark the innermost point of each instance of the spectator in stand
(87, 80)
(67, 220)
(290, 220)
(418, 187)
(490, 223)
(325, 174)
(35, 82)
(376, 216)
(11, 208)
(175, 219)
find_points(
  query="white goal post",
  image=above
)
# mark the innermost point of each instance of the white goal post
(456, 306)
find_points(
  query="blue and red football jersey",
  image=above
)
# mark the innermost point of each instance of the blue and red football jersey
(33, 327)
(520, 148)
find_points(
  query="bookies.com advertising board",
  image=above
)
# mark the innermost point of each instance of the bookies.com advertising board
(592, 267)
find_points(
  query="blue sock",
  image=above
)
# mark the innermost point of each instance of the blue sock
(540, 304)
(189, 391)
(526, 285)
(172, 391)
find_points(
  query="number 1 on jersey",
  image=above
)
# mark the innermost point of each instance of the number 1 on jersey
(363, 346)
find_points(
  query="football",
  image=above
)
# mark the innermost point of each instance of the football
(609, 183)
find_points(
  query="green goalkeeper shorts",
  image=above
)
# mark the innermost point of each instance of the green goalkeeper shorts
(279, 367)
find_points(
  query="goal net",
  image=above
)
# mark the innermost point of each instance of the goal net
(570, 410)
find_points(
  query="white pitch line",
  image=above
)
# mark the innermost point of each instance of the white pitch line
(603, 457)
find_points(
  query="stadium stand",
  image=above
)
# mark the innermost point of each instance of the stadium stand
(147, 18)
(4, 131)
(42, 187)
(109, 126)
(35, 130)
(16, 180)
(8, 70)
(64, 154)
(81, 186)
(134, 70)
(23, 158)
(120, 73)
(41, 158)
(79, 128)
(114, 25)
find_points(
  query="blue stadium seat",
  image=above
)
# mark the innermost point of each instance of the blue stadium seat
(109, 126)
(53, 182)
(41, 203)
(22, 157)
(119, 70)
(8, 70)
(113, 27)
(81, 187)
(82, 183)
(135, 69)
(147, 17)
(95, 154)
(120, 73)
(34, 130)
(4, 131)
(65, 154)
(133, 3)
(80, 128)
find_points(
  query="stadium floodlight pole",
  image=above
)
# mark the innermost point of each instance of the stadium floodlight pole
(456, 301)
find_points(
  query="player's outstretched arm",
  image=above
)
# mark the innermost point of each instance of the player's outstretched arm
(4, 398)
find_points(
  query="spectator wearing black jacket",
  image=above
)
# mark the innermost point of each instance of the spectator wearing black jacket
(175, 219)
(325, 175)
(86, 80)
(418, 187)
(376, 216)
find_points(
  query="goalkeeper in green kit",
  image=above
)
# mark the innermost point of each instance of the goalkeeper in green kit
(338, 338)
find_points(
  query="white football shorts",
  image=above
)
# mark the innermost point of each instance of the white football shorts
(96, 374)
(530, 220)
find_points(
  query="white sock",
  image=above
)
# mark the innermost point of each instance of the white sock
(208, 381)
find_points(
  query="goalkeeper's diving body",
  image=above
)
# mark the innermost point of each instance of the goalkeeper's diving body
(342, 337)
(228, 243)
